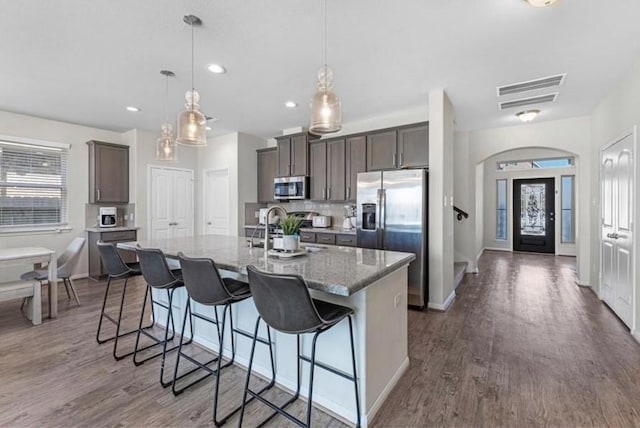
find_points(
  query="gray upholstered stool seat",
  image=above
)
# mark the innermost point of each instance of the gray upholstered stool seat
(207, 287)
(285, 304)
(159, 275)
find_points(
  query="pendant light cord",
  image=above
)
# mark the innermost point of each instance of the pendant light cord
(192, 55)
(166, 99)
(325, 46)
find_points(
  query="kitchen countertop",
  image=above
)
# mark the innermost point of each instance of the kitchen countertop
(336, 270)
(111, 229)
(335, 230)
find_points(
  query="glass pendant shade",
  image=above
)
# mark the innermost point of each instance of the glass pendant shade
(166, 148)
(192, 124)
(326, 109)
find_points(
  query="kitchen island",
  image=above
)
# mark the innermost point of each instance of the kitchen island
(373, 282)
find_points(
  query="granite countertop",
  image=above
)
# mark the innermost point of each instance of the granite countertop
(335, 230)
(111, 229)
(336, 270)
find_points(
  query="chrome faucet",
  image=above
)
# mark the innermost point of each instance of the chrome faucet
(266, 227)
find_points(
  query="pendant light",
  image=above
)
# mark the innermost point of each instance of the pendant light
(166, 149)
(326, 109)
(191, 122)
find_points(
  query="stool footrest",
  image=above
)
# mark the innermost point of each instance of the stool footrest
(328, 368)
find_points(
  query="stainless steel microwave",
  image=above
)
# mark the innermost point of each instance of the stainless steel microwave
(286, 188)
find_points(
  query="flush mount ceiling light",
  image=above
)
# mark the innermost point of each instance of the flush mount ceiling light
(133, 109)
(290, 104)
(191, 122)
(326, 109)
(541, 3)
(528, 115)
(217, 69)
(166, 149)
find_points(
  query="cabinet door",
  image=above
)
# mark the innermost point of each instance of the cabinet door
(111, 173)
(299, 155)
(318, 171)
(335, 170)
(267, 171)
(284, 157)
(356, 161)
(413, 147)
(381, 151)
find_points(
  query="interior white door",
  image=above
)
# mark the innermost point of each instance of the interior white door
(216, 202)
(171, 203)
(616, 231)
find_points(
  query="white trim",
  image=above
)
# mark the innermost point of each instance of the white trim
(375, 407)
(34, 142)
(443, 306)
(582, 283)
(35, 230)
(636, 335)
(508, 250)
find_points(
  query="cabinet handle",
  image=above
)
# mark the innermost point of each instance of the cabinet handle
(401, 158)
(98, 192)
(393, 159)
(293, 167)
(348, 192)
(329, 193)
(324, 193)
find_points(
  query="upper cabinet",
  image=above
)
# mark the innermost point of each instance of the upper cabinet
(267, 171)
(108, 172)
(293, 155)
(405, 147)
(355, 162)
(327, 170)
(413, 147)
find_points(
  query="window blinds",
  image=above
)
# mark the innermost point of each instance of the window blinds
(33, 185)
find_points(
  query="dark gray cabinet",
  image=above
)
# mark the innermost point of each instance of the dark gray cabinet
(326, 238)
(96, 270)
(381, 150)
(267, 171)
(293, 155)
(108, 173)
(327, 170)
(346, 240)
(307, 237)
(413, 147)
(403, 147)
(355, 162)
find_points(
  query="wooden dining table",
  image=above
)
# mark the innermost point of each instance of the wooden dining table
(32, 255)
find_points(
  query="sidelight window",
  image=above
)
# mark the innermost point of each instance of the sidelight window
(33, 185)
(501, 209)
(567, 225)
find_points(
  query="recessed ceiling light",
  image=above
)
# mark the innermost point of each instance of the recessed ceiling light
(541, 3)
(291, 104)
(528, 116)
(133, 108)
(217, 69)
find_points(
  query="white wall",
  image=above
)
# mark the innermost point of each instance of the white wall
(17, 125)
(441, 239)
(615, 116)
(490, 177)
(569, 135)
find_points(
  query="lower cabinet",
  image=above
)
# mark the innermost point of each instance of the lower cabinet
(343, 239)
(96, 269)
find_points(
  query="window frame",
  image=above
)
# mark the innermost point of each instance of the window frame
(573, 208)
(36, 144)
(505, 209)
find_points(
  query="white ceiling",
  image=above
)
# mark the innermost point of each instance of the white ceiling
(83, 61)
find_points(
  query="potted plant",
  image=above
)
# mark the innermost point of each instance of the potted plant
(290, 226)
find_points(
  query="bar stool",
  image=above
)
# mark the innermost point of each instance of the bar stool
(205, 286)
(284, 303)
(156, 272)
(117, 269)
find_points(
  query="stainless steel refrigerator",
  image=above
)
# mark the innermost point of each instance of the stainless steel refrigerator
(392, 215)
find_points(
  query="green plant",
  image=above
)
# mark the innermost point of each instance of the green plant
(290, 225)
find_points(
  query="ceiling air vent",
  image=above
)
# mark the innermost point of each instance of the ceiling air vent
(531, 85)
(528, 101)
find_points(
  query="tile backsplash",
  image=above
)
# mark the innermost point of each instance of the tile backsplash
(126, 214)
(335, 210)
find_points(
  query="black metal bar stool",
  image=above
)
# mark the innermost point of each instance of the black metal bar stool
(284, 303)
(117, 269)
(157, 274)
(206, 287)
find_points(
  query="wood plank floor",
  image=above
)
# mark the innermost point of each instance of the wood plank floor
(521, 346)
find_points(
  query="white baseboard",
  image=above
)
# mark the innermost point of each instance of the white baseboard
(636, 335)
(385, 393)
(496, 249)
(443, 306)
(80, 275)
(582, 283)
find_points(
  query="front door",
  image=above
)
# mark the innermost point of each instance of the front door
(534, 215)
(616, 248)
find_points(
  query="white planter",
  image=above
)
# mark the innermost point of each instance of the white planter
(290, 242)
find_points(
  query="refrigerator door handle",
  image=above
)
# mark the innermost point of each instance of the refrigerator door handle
(382, 200)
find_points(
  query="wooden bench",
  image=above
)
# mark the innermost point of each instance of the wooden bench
(21, 289)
